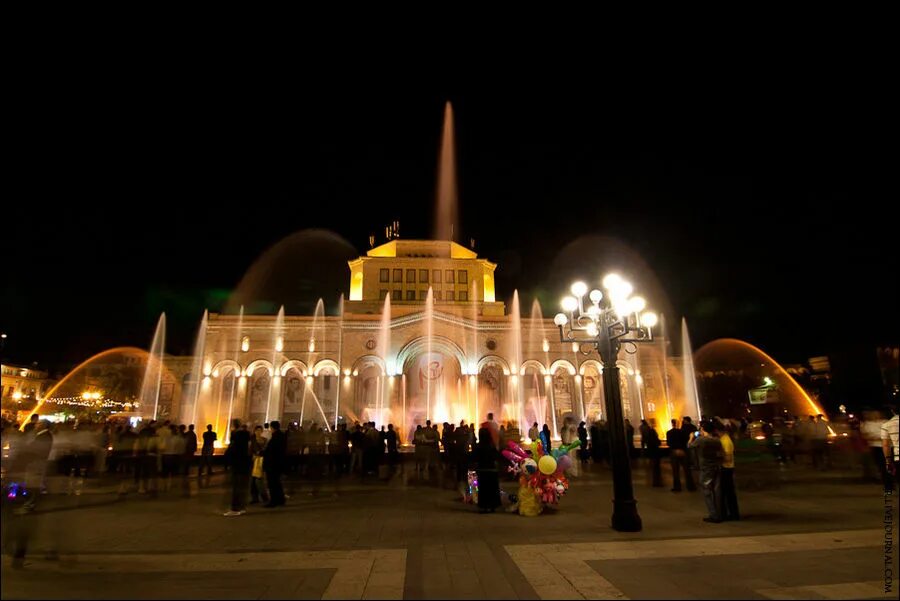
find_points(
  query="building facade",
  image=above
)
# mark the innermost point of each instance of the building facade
(421, 337)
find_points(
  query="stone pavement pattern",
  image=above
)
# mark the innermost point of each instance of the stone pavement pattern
(818, 537)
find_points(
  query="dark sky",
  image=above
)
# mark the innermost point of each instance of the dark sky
(760, 202)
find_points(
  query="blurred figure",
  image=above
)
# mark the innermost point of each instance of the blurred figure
(533, 432)
(206, 454)
(729, 493)
(486, 458)
(238, 458)
(819, 436)
(257, 475)
(652, 448)
(876, 460)
(28, 473)
(629, 438)
(709, 454)
(890, 448)
(275, 454)
(677, 441)
(583, 447)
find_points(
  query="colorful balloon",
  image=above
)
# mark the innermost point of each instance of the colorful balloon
(547, 465)
(564, 463)
(530, 466)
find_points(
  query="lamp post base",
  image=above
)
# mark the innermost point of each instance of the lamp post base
(625, 517)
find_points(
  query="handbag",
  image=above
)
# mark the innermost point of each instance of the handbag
(257, 467)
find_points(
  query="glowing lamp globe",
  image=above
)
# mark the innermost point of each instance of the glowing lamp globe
(560, 319)
(596, 296)
(649, 319)
(569, 303)
(579, 289)
(611, 280)
(637, 304)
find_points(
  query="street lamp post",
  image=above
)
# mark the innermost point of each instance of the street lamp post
(611, 321)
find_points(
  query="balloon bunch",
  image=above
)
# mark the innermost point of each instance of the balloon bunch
(542, 472)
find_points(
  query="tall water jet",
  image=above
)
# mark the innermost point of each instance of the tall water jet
(316, 347)
(152, 381)
(539, 381)
(191, 393)
(238, 378)
(692, 398)
(337, 402)
(517, 409)
(429, 335)
(447, 196)
(384, 351)
(277, 354)
(472, 356)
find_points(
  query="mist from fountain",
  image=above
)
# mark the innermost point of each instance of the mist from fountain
(429, 337)
(239, 379)
(198, 372)
(277, 354)
(316, 347)
(447, 197)
(340, 354)
(692, 397)
(542, 381)
(517, 410)
(384, 351)
(152, 381)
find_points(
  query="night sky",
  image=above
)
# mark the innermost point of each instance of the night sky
(761, 207)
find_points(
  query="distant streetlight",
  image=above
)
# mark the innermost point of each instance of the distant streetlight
(613, 319)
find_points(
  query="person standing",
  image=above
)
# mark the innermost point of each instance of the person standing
(629, 437)
(729, 493)
(676, 439)
(209, 447)
(273, 463)
(486, 457)
(533, 432)
(709, 454)
(653, 443)
(494, 429)
(239, 461)
(583, 447)
(257, 475)
(644, 428)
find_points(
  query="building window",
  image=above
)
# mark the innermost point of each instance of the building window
(398, 275)
(423, 276)
(423, 294)
(450, 295)
(396, 295)
(326, 380)
(382, 294)
(463, 276)
(384, 275)
(410, 295)
(436, 276)
(437, 294)
(449, 279)
(410, 276)
(463, 295)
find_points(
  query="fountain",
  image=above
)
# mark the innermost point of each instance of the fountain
(191, 393)
(538, 381)
(516, 409)
(233, 379)
(337, 402)
(275, 384)
(692, 398)
(316, 347)
(150, 385)
(384, 351)
(446, 214)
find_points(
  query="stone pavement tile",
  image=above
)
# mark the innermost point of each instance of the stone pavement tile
(491, 573)
(848, 590)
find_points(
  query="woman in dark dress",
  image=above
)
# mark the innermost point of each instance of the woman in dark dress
(486, 458)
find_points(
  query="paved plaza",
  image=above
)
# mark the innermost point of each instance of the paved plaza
(804, 534)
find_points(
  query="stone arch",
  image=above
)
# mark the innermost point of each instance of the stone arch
(439, 344)
(365, 360)
(294, 364)
(493, 359)
(533, 363)
(259, 363)
(562, 363)
(221, 367)
(325, 364)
